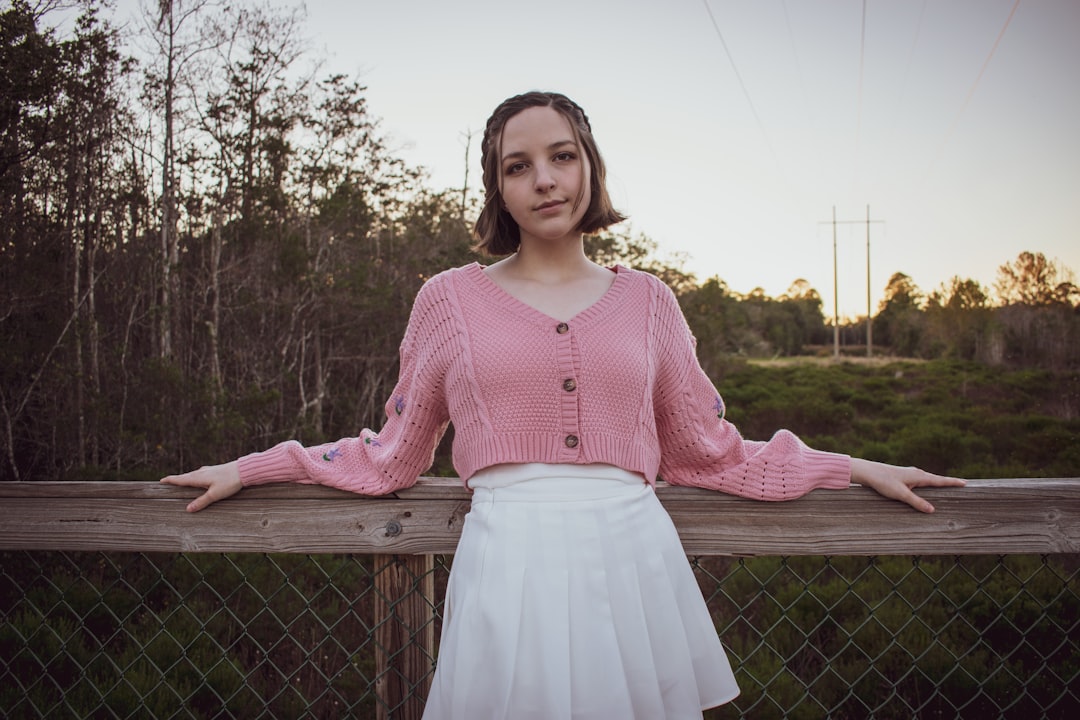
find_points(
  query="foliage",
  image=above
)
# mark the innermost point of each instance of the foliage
(896, 637)
(1031, 279)
(756, 325)
(125, 635)
(1035, 324)
(958, 418)
(898, 320)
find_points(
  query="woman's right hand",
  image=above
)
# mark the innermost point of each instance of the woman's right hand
(219, 482)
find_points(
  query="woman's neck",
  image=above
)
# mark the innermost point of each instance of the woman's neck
(559, 281)
(551, 261)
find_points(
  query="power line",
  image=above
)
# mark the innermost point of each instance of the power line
(738, 76)
(971, 91)
(910, 59)
(862, 73)
(798, 60)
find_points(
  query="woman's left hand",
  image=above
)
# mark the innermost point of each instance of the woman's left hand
(897, 482)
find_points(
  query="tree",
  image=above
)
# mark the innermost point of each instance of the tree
(29, 65)
(1031, 279)
(711, 311)
(171, 27)
(959, 322)
(253, 99)
(803, 303)
(1039, 319)
(899, 321)
(62, 148)
(244, 106)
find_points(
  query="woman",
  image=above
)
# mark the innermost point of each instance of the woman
(571, 388)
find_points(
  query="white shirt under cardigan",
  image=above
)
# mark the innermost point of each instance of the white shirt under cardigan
(618, 383)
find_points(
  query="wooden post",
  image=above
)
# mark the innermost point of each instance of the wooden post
(404, 635)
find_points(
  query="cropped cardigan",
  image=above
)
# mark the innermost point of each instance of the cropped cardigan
(618, 383)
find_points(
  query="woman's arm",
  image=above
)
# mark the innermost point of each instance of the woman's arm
(897, 482)
(701, 448)
(369, 463)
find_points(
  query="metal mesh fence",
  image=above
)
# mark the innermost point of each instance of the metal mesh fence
(123, 635)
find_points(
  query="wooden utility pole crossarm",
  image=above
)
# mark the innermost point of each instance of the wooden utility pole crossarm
(988, 516)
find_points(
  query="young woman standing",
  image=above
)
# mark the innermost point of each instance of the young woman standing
(571, 388)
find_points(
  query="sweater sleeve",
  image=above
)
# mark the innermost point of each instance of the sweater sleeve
(376, 463)
(700, 448)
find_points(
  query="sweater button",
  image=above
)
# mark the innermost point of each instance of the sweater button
(571, 441)
(562, 328)
(569, 385)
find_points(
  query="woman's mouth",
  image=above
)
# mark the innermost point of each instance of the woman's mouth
(550, 206)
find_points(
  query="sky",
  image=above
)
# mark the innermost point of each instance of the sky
(732, 128)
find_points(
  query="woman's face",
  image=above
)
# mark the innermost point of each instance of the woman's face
(544, 175)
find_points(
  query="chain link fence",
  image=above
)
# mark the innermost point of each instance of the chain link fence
(126, 635)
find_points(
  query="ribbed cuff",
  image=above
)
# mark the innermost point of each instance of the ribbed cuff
(274, 465)
(833, 470)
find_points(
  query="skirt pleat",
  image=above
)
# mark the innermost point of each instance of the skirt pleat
(570, 598)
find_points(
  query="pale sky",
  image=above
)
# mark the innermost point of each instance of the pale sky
(956, 121)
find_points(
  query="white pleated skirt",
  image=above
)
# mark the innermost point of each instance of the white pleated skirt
(570, 598)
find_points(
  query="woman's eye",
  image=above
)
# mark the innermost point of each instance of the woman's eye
(564, 156)
(515, 168)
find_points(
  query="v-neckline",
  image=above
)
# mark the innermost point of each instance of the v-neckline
(497, 291)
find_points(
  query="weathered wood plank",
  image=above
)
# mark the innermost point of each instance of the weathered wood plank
(428, 487)
(344, 524)
(987, 516)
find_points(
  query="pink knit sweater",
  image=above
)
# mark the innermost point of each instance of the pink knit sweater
(618, 383)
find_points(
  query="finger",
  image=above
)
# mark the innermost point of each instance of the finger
(940, 481)
(934, 481)
(194, 480)
(902, 490)
(921, 504)
(185, 480)
(200, 502)
(929, 480)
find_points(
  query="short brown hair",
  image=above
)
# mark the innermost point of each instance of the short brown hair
(496, 232)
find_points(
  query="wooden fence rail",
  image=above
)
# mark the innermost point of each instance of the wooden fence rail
(1037, 515)
(1009, 516)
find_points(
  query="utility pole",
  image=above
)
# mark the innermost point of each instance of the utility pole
(869, 314)
(836, 300)
(835, 293)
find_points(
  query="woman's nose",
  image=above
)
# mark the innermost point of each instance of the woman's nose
(545, 179)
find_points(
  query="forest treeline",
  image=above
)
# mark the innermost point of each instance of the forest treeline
(207, 245)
